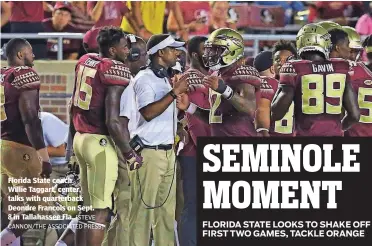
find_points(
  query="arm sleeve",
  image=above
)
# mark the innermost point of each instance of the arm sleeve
(55, 131)
(287, 75)
(145, 94)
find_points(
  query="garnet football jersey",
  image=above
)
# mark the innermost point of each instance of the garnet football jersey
(225, 120)
(14, 80)
(93, 74)
(319, 89)
(198, 94)
(361, 80)
(285, 126)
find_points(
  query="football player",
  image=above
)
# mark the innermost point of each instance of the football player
(361, 80)
(99, 83)
(281, 128)
(319, 87)
(367, 45)
(198, 94)
(232, 87)
(282, 51)
(355, 44)
(340, 44)
(23, 151)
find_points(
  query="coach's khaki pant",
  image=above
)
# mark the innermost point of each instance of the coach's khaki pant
(118, 232)
(155, 177)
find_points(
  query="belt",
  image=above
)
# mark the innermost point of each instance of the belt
(161, 146)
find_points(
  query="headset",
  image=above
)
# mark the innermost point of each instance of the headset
(134, 53)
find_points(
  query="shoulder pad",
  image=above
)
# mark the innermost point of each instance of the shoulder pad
(265, 84)
(194, 79)
(246, 70)
(288, 68)
(116, 72)
(25, 78)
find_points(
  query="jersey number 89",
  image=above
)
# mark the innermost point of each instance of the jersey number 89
(315, 87)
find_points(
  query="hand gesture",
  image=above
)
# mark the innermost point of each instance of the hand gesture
(183, 102)
(212, 82)
(46, 169)
(180, 85)
(133, 160)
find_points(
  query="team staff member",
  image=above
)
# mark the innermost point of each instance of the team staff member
(154, 185)
(118, 232)
(23, 152)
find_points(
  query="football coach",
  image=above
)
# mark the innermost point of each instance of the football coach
(153, 186)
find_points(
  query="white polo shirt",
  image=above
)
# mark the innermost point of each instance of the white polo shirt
(149, 88)
(128, 107)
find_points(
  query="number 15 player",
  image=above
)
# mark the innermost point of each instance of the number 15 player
(319, 87)
(99, 83)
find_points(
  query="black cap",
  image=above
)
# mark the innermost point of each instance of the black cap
(263, 61)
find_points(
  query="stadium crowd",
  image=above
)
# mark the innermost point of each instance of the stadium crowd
(142, 97)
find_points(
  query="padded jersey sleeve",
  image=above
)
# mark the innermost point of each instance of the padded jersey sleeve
(287, 75)
(114, 73)
(25, 78)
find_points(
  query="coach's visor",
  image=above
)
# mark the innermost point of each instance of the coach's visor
(168, 42)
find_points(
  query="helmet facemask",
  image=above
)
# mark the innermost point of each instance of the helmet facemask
(212, 56)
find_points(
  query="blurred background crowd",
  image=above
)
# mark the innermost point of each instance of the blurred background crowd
(182, 19)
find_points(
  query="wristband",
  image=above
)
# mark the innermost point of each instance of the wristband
(192, 108)
(173, 94)
(228, 93)
(141, 27)
(262, 129)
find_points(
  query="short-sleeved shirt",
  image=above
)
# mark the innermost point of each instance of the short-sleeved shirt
(112, 13)
(93, 75)
(149, 88)
(128, 107)
(14, 81)
(69, 45)
(319, 89)
(192, 11)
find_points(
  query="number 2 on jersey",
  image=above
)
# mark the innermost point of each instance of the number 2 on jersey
(2, 95)
(313, 95)
(83, 86)
(214, 101)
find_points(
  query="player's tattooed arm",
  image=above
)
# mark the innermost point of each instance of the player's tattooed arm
(351, 106)
(28, 107)
(263, 116)
(113, 120)
(281, 102)
(244, 99)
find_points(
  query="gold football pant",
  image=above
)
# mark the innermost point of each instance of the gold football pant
(19, 161)
(98, 164)
(154, 179)
(118, 232)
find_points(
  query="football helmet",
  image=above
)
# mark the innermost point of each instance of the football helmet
(224, 47)
(313, 37)
(328, 25)
(354, 38)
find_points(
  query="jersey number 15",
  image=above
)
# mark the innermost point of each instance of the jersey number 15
(82, 86)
